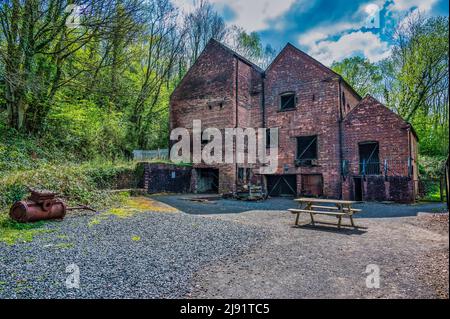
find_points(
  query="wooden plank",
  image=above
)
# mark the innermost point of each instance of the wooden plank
(325, 207)
(315, 212)
(320, 200)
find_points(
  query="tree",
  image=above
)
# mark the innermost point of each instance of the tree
(250, 46)
(416, 78)
(163, 45)
(364, 76)
(201, 25)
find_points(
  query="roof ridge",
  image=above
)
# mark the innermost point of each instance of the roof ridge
(239, 56)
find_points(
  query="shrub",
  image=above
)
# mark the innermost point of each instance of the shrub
(77, 183)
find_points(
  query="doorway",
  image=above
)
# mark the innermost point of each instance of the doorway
(282, 185)
(369, 158)
(207, 181)
(358, 189)
(312, 185)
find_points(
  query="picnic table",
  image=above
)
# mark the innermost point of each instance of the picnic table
(330, 207)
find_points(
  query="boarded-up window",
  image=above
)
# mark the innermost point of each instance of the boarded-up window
(287, 101)
(307, 147)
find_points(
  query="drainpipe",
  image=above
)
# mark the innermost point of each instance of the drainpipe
(263, 100)
(264, 124)
(341, 139)
(236, 122)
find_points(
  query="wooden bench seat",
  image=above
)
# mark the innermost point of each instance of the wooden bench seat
(315, 212)
(311, 213)
(325, 207)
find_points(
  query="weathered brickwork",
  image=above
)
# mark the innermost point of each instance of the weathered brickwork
(371, 121)
(316, 113)
(224, 90)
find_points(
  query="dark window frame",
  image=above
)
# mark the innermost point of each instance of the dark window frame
(314, 140)
(282, 106)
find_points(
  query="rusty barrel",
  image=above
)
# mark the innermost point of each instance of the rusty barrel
(30, 211)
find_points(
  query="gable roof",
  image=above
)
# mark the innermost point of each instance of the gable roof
(313, 61)
(369, 99)
(263, 72)
(237, 55)
(210, 43)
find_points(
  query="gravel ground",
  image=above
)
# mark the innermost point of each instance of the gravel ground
(229, 206)
(322, 262)
(255, 254)
(433, 265)
(159, 262)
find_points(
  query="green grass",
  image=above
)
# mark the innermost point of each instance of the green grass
(12, 232)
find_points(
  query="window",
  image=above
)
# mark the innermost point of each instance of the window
(241, 174)
(369, 158)
(244, 174)
(275, 136)
(287, 101)
(306, 150)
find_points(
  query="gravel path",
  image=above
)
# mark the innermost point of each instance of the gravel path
(230, 206)
(255, 254)
(149, 255)
(322, 262)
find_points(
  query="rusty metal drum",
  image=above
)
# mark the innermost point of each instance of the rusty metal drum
(30, 211)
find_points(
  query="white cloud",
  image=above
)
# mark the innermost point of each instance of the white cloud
(252, 15)
(310, 38)
(367, 16)
(185, 5)
(405, 5)
(366, 43)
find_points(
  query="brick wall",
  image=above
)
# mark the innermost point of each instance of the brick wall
(213, 87)
(224, 90)
(316, 113)
(371, 121)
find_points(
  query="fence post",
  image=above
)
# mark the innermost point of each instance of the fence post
(385, 168)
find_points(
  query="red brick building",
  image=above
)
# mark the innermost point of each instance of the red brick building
(332, 143)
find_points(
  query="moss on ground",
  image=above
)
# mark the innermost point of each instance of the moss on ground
(131, 207)
(12, 232)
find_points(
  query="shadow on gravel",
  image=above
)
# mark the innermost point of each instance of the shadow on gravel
(332, 229)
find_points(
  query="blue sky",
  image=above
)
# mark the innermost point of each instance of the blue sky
(329, 30)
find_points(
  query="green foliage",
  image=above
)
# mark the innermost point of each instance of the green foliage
(432, 166)
(413, 81)
(12, 232)
(85, 130)
(365, 77)
(79, 183)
